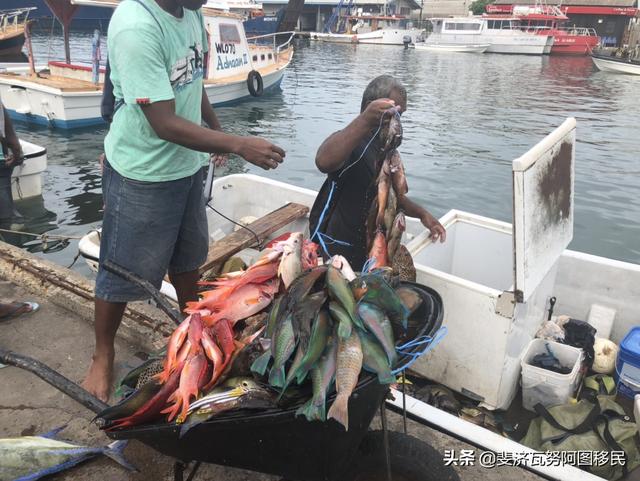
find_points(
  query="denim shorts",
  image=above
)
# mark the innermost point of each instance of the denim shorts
(150, 228)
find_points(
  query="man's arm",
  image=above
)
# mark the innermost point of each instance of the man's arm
(336, 149)
(172, 128)
(208, 114)
(412, 209)
(12, 142)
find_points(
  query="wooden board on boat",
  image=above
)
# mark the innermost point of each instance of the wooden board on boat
(233, 243)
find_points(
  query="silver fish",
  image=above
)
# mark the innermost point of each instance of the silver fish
(28, 458)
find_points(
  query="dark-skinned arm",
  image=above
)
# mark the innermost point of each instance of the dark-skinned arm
(412, 209)
(336, 149)
(172, 128)
(12, 142)
(208, 114)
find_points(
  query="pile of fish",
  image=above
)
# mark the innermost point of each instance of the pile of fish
(202, 350)
(329, 325)
(386, 222)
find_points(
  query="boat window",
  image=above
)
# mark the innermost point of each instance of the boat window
(229, 33)
(468, 26)
(491, 24)
(254, 58)
(270, 56)
(262, 57)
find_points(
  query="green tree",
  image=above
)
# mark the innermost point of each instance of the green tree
(477, 7)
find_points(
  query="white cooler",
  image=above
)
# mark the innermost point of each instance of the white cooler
(495, 280)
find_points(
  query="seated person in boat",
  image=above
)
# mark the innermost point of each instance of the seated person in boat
(154, 216)
(359, 210)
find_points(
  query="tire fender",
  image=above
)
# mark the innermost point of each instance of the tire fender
(255, 83)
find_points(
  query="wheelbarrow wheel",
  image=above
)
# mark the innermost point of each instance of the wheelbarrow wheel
(411, 460)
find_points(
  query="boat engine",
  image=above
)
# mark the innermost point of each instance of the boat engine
(406, 41)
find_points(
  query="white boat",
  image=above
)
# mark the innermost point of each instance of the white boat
(617, 65)
(373, 29)
(503, 35)
(26, 179)
(450, 47)
(64, 96)
(495, 280)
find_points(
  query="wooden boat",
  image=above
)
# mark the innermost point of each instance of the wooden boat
(608, 63)
(495, 279)
(448, 47)
(12, 25)
(65, 95)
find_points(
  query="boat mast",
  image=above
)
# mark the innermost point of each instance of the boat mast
(64, 11)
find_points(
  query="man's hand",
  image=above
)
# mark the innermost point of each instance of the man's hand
(15, 156)
(219, 160)
(375, 110)
(438, 232)
(260, 152)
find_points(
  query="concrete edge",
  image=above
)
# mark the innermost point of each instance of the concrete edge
(143, 325)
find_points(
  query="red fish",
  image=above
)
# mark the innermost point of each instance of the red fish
(223, 332)
(255, 275)
(191, 376)
(379, 251)
(245, 302)
(215, 355)
(151, 410)
(175, 343)
(384, 184)
(309, 255)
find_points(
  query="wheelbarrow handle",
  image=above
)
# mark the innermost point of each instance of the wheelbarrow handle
(162, 302)
(54, 378)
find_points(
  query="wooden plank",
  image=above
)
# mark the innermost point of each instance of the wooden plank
(233, 243)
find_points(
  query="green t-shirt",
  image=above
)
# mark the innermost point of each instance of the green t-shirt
(154, 60)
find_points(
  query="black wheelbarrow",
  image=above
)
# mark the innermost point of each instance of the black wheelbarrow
(277, 442)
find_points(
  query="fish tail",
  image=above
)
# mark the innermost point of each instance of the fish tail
(259, 366)
(276, 377)
(311, 411)
(54, 432)
(115, 451)
(339, 410)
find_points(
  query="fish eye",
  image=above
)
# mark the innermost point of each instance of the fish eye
(245, 383)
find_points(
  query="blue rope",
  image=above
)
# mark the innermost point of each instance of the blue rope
(427, 341)
(319, 235)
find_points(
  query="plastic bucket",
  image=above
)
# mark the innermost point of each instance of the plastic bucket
(628, 364)
(547, 387)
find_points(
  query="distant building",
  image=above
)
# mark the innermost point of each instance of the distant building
(317, 12)
(612, 19)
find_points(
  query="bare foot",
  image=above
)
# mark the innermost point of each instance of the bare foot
(99, 377)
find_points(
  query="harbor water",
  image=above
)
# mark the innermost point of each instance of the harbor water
(468, 117)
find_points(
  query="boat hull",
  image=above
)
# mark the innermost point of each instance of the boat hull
(616, 65)
(378, 37)
(26, 179)
(505, 46)
(573, 44)
(11, 44)
(31, 102)
(452, 48)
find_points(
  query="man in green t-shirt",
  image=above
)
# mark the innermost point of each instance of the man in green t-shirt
(154, 218)
(10, 157)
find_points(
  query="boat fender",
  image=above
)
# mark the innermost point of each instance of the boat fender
(255, 83)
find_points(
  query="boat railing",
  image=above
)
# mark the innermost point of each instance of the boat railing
(14, 17)
(264, 39)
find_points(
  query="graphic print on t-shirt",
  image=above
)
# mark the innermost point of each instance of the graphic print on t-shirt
(187, 69)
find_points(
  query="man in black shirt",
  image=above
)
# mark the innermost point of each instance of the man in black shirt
(351, 165)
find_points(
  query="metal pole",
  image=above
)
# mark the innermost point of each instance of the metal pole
(67, 50)
(385, 438)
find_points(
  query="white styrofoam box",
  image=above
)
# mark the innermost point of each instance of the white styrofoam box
(636, 410)
(548, 387)
(602, 317)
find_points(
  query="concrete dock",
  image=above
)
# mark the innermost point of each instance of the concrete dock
(60, 334)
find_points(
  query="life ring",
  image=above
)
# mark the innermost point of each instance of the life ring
(253, 77)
